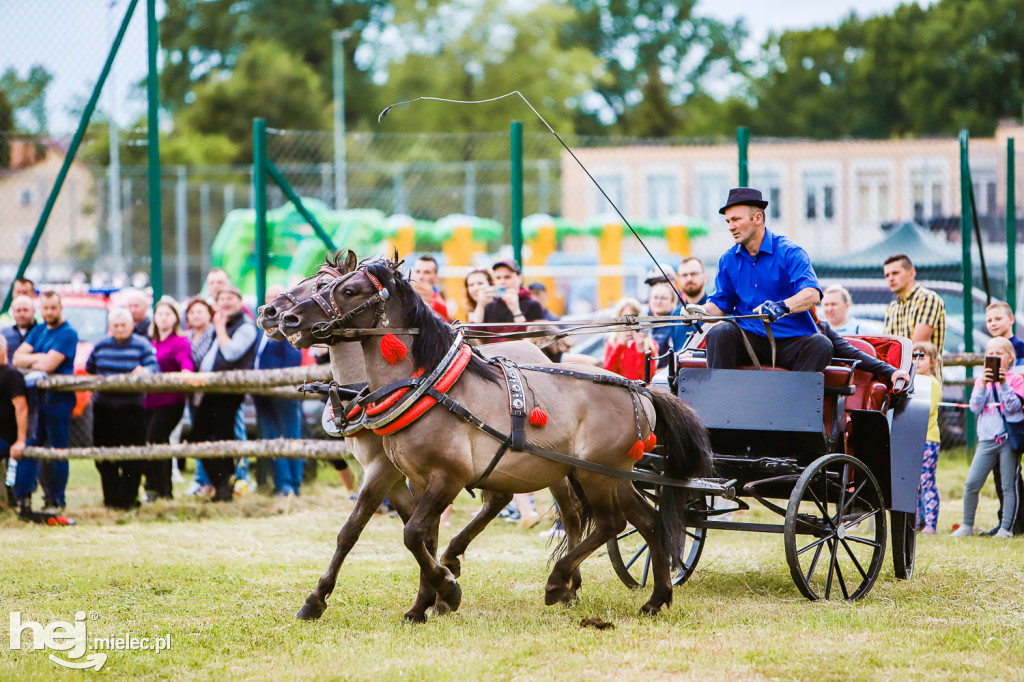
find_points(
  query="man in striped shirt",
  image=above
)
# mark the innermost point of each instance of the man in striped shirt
(119, 418)
(917, 313)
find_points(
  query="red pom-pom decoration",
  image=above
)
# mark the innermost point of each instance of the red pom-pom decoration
(650, 442)
(538, 417)
(637, 451)
(392, 349)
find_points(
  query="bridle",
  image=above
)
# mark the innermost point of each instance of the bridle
(327, 301)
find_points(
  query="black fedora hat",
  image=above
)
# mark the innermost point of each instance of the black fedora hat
(744, 196)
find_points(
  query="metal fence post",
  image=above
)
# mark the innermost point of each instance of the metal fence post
(516, 208)
(181, 232)
(1011, 227)
(259, 190)
(742, 141)
(968, 270)
(153, 154)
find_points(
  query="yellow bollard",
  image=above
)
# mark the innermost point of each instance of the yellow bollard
(609, 288)
(459, 251)
(542, 245)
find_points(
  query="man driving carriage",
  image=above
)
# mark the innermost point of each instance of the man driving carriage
(769, 274)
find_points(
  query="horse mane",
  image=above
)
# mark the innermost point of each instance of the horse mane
(436, 336)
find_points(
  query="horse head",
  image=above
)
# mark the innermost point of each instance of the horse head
(344, 297)
(269, 316)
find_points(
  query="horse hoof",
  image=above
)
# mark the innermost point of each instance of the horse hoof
(417, 618)
(555, 595)
(450, 602)
(650, 610)
(311, 610)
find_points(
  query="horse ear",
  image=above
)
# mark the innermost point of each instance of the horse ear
(351, 262)
(394, 258)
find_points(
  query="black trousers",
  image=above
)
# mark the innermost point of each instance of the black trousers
(162, 421)
(213, 420)
(799, 353)
(114, 426)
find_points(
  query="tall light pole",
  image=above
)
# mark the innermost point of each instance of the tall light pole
(340, 191)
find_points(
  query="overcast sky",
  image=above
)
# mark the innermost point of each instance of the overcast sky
(71, 39)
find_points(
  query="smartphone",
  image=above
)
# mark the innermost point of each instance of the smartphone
(499, 292)
(994, 363)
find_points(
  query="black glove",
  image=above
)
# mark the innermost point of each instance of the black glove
(773, 309)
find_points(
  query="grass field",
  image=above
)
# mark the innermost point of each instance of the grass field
(224, 581)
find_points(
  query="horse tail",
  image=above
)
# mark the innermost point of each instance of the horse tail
(687, 454)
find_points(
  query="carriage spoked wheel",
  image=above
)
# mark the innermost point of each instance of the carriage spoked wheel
(904, 543)
(835, 529)
(631, 557)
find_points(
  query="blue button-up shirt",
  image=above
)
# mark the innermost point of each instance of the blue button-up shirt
(780, 269)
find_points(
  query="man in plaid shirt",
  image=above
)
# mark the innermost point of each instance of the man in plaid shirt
(917, 313)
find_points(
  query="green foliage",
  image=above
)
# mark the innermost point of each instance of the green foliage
(28, 94)
(655, 52)
(6, 126)
(919, 71)
(267, 82)
(500, 50)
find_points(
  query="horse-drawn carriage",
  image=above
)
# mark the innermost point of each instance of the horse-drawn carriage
(837, 448)
(828, 452)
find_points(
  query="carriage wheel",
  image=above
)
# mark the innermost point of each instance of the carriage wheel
(631, 557)
(835, 529)
(904, 543)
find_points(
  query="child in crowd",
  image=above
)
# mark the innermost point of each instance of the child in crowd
(1000, 323)
(996, 397)
(624, 351)
(928, 494)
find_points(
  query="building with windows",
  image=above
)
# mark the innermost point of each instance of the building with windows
(831, 196)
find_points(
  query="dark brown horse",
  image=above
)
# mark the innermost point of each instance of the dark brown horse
(381, 479)
(599, 422)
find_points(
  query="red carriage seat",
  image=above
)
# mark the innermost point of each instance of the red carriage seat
(869, 393)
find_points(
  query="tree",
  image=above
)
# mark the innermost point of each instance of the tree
(918, 71)
(28, 96)
(200, 37)
(655, 52)
(266, 82)
(501, 49)
(6, 127)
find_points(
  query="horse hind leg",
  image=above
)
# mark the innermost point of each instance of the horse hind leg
(376, 485)
(570, 513)
(646, 521)
(493, 503)
(608, 521)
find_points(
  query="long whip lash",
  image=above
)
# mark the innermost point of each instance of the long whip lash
(668, 279)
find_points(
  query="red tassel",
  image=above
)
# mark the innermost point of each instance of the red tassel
(650, 442)
(637, 451)
(538, 417)
(392, 349)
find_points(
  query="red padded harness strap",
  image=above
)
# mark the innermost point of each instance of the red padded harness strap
(443, 384)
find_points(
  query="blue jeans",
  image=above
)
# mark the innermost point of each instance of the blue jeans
(53, 429)
(985, 458)
(281, 418)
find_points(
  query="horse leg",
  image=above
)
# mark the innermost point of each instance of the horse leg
(492, 506)
(380, 478)
(645, 520)
(438, 587)
(570, 512)
(609, 521)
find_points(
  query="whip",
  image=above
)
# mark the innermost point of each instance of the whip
(657, 265)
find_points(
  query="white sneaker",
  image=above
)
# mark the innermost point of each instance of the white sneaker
(962, 532)
(1003, 533)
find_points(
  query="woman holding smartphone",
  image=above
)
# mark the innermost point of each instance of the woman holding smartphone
(996, 400)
